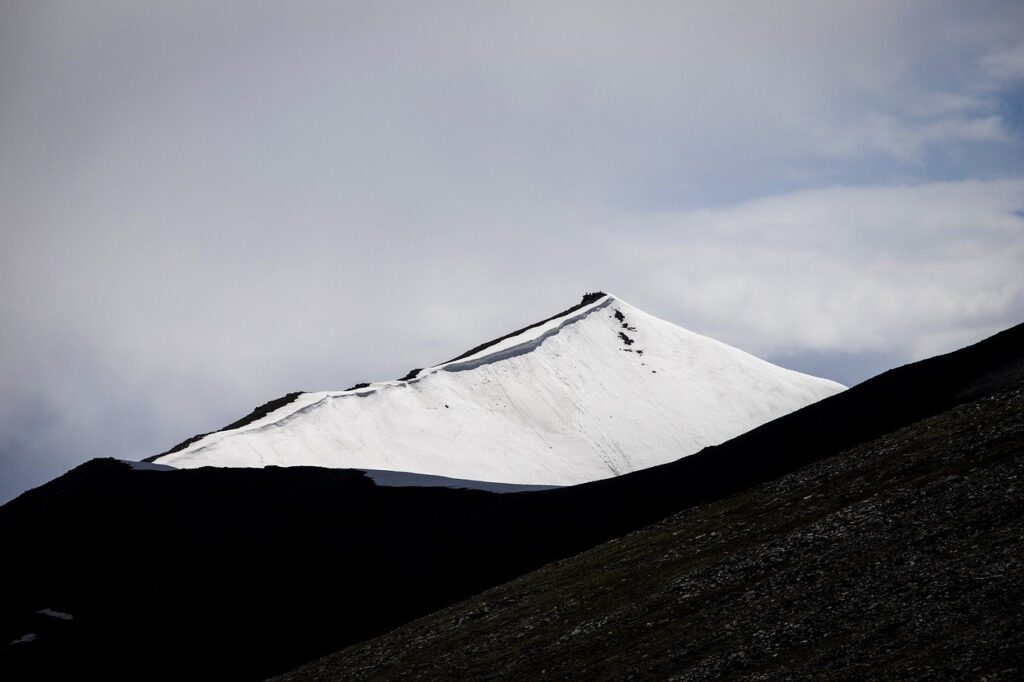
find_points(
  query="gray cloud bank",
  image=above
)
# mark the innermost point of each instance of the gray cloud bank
(204, 206)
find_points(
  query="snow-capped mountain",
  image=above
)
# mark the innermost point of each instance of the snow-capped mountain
(597, 391)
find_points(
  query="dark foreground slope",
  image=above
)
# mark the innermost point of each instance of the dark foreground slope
(238, 574)
(899, 558)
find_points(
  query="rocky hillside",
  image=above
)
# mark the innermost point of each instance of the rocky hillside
(900, 558)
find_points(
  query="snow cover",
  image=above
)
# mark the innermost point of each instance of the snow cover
(56, 614)
(601, 391)
(147, 466)
(404, 479)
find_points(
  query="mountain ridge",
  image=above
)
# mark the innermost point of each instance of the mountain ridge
(271, 405)
(595, 391)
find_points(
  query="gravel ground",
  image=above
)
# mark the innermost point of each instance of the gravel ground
(900, 558)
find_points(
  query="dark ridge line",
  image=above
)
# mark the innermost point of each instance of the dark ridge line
(588, 298)
(258, 413)
(413, 373)
(267, 408)
(361, 384)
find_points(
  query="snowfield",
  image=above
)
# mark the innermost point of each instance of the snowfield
(403, 479)
(600, 391)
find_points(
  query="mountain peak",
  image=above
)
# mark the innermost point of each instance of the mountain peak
(598, 390)
(588, 298)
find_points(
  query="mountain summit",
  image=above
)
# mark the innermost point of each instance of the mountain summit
(599, 390)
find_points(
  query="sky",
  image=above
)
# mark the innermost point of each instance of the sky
(204, 206)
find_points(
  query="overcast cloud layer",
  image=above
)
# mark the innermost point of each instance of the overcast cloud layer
(206, 205)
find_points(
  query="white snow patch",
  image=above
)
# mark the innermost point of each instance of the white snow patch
(56, 614)
(24, 639)
(404, 479)
(147, 466)
(563, 403)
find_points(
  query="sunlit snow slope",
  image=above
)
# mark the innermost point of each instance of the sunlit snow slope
(602, 390)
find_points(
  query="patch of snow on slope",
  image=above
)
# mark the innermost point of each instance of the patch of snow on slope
(404, 479)
(147, 466)
(56, 614)
(565, 402)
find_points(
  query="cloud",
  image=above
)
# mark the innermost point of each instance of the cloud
(922, 268)
(1005, 64)
(910, 141)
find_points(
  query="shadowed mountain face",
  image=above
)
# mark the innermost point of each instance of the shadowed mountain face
(898, 558)
(241, 573)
